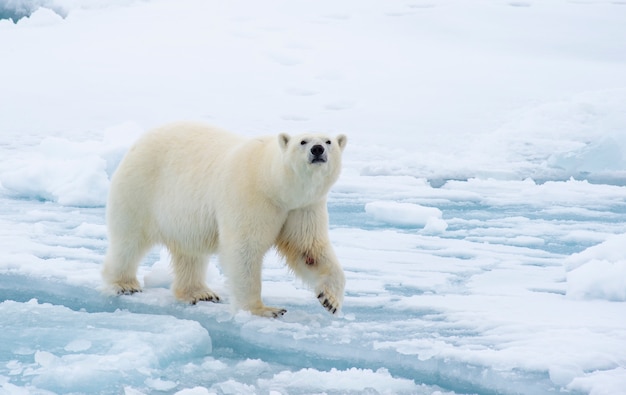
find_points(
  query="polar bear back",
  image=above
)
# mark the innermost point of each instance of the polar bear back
(167, 185)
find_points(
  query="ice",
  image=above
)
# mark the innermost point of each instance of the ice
(480, 215)
(69, 172)
(342, 381)
(160, 274)
(406, 214)
(610, 250)
(599, 271)
(53, 348)
(601, 383)
(194, 391)
(16, 9)
(598, 279)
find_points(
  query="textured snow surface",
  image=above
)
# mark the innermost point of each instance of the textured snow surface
(480, 216)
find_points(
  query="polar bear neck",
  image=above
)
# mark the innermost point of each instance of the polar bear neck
(300, 184)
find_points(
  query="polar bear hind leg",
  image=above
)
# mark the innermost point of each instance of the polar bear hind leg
(189, 278)
(120, 266)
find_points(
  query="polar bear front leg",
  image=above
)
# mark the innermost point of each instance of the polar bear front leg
(330, 292)
(319, 268)
(243, 266)
(304, 243)
(322, 270)
(247, 292)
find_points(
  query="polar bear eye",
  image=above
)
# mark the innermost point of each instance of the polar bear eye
(328, 142)
(303, 142)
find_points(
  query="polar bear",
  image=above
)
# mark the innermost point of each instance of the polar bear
(199, 190)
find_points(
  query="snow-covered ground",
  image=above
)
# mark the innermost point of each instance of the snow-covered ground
(480, 216)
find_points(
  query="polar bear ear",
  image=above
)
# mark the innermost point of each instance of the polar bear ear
(283, 140)
(342, 140)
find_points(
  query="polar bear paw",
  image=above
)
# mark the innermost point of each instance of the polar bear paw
(329, 302)
(194, 296)
(126, 287)
(270, 312)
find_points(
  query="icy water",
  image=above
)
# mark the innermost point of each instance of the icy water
(470, 220)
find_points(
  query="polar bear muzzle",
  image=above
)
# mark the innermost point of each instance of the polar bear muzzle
(317, 154)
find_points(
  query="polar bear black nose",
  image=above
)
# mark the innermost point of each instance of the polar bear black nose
(317, 150)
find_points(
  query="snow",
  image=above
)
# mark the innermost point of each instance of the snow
(599, 271)
(480, 216)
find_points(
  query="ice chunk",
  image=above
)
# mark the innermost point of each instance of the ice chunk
(350, 380)
(94, 351)
(599, 272)
(612, 249)
(598, 279)
(41, 17)
(194, 391)
(160, 385)
(79, 180)
(406, 214)
(68, 172)
(161, 273)
(435, 225)
(606, 382)
(603, 155)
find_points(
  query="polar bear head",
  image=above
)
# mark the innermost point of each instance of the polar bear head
(312, 163)
(313, 149)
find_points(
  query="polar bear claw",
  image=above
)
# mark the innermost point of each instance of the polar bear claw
(328, 302)
(195, 295)
(125, 287)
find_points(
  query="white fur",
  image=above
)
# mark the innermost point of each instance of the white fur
(199, 190)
